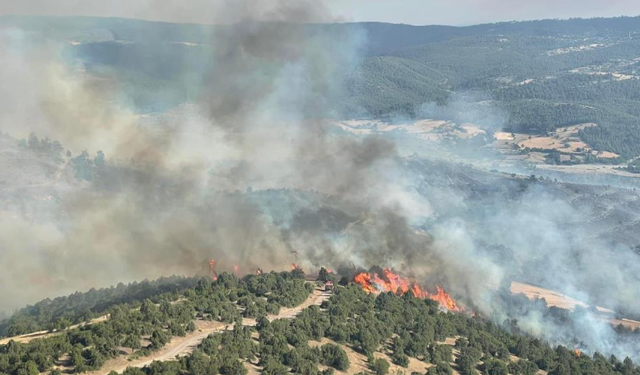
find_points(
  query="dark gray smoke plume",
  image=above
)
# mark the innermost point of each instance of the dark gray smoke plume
(168, 198)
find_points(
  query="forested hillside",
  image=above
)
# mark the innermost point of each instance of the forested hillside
(537, 75)
(61, 312)
(386, 328)
(540, 75)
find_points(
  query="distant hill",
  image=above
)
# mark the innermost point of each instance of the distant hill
(541, 75)
(538, 75)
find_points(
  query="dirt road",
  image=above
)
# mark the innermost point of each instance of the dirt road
(178, 346)
(23, 339)
(182, 346)
(27, 337)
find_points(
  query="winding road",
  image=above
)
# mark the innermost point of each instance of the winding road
(182, 346)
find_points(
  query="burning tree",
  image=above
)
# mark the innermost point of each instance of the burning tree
(388, 281)
(212, 269)
(297, 271)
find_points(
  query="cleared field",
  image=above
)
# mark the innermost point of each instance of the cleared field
(564, 140)
(552, 298)
(425, 129)
(568, 303)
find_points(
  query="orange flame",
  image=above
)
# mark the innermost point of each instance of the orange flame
(364, 280)
(295, 267)
(259, 272)
(445, 300)
(212, 269)
(391, 282)
(577, 352)
(235, 269)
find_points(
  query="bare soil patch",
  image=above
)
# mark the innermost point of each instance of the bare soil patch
(564, 140)
(426, 129)
(183, 346)
(568, 303)
(359, 361)
(552, 298)
(23, 339)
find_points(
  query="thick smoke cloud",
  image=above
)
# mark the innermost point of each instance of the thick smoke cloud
(251, 173)
(169, 197)
(489, 231)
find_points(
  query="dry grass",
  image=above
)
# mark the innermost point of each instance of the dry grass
(425, 129)
(568, 303)
(564, 140)
(504, 136)
(177, 347)
(553, 298)
(182, 346)
(23, 339)
(632, 324)
(359, 361)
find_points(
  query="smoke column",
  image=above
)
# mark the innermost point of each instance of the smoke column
(169, 197)
(250, 171)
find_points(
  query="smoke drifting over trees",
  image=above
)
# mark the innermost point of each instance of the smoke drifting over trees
(194, 183)
(166, 201)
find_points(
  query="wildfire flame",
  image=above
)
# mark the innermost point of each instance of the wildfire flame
(577, 352)
(445, 300)
(295, 267)
(394, 283)
(235, 269)
(212, 269)
(364, 280)
(259, 271)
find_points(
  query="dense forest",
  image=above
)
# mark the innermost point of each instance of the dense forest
(537, 76)
(401, 327)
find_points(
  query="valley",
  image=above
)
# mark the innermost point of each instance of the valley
(286, 193)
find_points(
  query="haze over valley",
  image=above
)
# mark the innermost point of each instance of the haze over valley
(309, 195)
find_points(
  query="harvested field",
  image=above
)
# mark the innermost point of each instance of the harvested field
(565, 302)
(553, 298)
(564, 140)
(425, 129)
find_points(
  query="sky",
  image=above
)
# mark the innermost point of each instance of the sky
(467, 12)
(417, 12)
